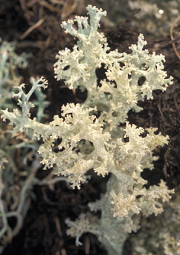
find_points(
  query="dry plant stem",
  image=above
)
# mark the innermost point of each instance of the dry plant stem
(68, 8)
(22, 3)
(172, 37)
(50, 7)
(31, 3)
(32, 28)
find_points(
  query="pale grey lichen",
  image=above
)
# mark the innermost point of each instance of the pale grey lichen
(87, 141)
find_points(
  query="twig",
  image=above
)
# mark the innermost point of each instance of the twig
(23, 6)
(172, 37)
(32, 28)
(50, 7)
(33, 2)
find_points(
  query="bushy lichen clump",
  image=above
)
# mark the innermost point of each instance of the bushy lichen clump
(90, 135)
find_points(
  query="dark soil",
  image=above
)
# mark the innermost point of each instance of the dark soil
(44, 230)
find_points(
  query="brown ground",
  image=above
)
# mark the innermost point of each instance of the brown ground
(44, 228)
